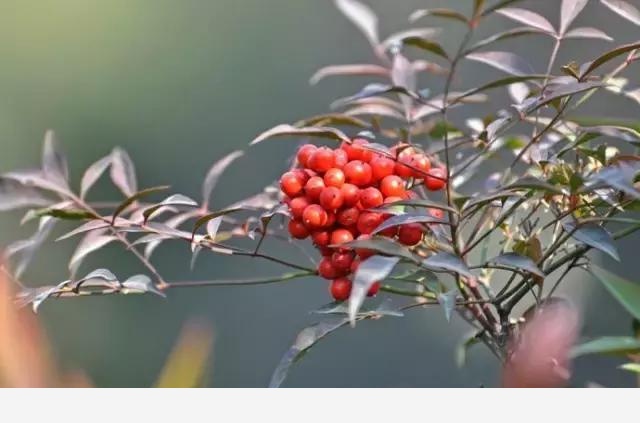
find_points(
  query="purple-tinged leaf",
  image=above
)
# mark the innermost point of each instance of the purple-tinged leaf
(594, 236)
(440, 13)
(447, 262)
(404, 219)
(173, 200)
(312, 131)
(517, 261)
(397, 39)
(384, 246)
(362, 17)
(528, 18)
(504, 61)
(93, 241)
(375, 110)
(569, 11)
(351, 70)
(123, 172)
(496, 84)
(140, 284)
(22, 252)
(205, 219)
(372, 90)
(498, 6)
(36, 178)
(54, 162)
(559, 91)
(92, 174)
(14, 195)
(218, 168)
(505, 35)
(38, 295)
(624, 9)
(588, 32)
(94, 225)
(427, 45)
(333, 119)
(373, 269)
(588, 68)
(135, 197)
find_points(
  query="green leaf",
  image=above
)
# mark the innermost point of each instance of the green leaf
(448, 302)
(59, 213)
(135, 197)
(204, 219)
(594, 236)
(631, 367)
(608, 345)
(448, 262)
(371, 270)
(517, 261)
(427, 45)
(627, 293)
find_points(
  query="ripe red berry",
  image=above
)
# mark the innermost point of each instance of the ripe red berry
(341, 158)
(350, 194)
(297, 206)
(392, 199)
(341, 236)
(421, 165)
(326, 269)
(348, 216)
(368, 221)
(392, 186)
(314, 187)
(321, 238)
(302, 174)
(363, 253)
(322, 160)
(331, 198)
(437, 213)
(314, 216)
(355, 263)
(297, 229)
(371, 198)
(291, 184)
(355, 151)
(410, 195)
(404, 157)
(410, 234)
(373, 289)
(325, 251)
(334, 178)
(340, 289)
(342, 260)
(304, 152)
(381, 167)
(358, 173)
(436, 179)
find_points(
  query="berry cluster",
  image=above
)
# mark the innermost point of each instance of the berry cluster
(331, 196)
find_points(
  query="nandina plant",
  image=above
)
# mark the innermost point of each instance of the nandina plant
(405, 208)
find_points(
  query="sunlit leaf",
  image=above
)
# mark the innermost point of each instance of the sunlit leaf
(528, 18)
(373, 269)
(404, 219)
(362, 17)
(333, 119)
(93, 241)
(382, 245)
(570, 9)
(631, 367)
(351, 70)
(205, 219)
(496, 84)
(594, 236)
(560, 91)
(54, 162)
(448, 262)
(627, 293)
(214, 173)
(427, 45)
(22, 252)
(587, 32)
(140, 284)
(608, 345)
(14, 195)
(588, 68)
(372, 90)
(504, 61)
(123, 172)
(92, 174)
(441, 13)
(517, 261)
(624, 9)
(135, 197)
(313, 131)
(174, 200)
(504, 35)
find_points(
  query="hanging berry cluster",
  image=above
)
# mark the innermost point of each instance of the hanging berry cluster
(334, 197)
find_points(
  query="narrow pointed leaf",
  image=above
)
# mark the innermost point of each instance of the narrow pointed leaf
(517, 261)
(140, 284)
(348, 70)
(205, 219)
(383, 245)
(92, 174)
(135, 197)
(90, 243)
(14, 195)
(174, 200)
(407, 218)
(440, 13)
(362, 17)
(54, 162)
(123, 172)
(594, 236)
(606, 57)
(588, 32)
(624, 9)
(608, 345)
(448, 262)
(218, 168)
(504, 35)
(627, 293)
(312, 131)
(504, 61)
(569, 11)
(372, 270)
(528, 18)
(448, 302)
(427, 45)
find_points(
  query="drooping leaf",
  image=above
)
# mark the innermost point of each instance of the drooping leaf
(386, 308)
(37, 178)
(496, 84)
(402, 73)
(448, 302)
(528, 18)
(404, 219)
(334, 119)
(140, 284)
(590, 67)
(594, 236)
(504, 35)
(372, 90)
(206, 218)
(123, 172)
(498, 6)
(448, 262)
(531, 182)
(313, 131)
(441, 13)
(54, 162)
(517, 261)
(560, 91)
(306, 339)
(619, 177)
(173, 200)
(39, 295)
(218, 168)
(14, 195)
(588, 32)
(627, 293)
(624, 9)
(93, 241)
(427, 45)
(135, 197)
(382, 245)
(22, 252)
(569, 10)
(608, 345)
(424, 203)
(504, 61)
(92, 174)
(373, 269)
(351, 70)
(362, 17)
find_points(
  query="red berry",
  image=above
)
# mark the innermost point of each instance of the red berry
(371, 198)
(341, 236)
(325, 251)
(304, 152)
(326, 269)
(392, 199)
(410, 234)
(331, 198)
(368, 221)
(297, 206)
(358, 173)
(350, 193)
(436, 179)
(364, 253)
(334, 178)
(410, 195)
(291, 184)
(404, 157)
(297, 229)
(314, 187)
(389, 232)
(342, 260)
(322, 160)
(355, 151)
(340, 289)
(321, 238)
(354, 264)
(381, 167)
(392, 186)
(341, 158)
(373, 289)
(302, 174)
(421, 164)
(437, 213)
(314, 216)
(348, 216)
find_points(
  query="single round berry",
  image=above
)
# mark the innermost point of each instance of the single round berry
(341, 158)
(358, 173)
(410, 234)
(314, 216)
(436, 179)
(342, 260)
(322, 160)
(340, 289)
(331, 198)
(321, 238)
(334, 178)
(392, 186)
(297, 206)
(304, 152)
(437, 213)
(326, 269)
(291, 184)
(314, 187)
(355, 264)
(302, 174)
(371, 197)
(325, 251)
(381, 167)
(403, 159)
(368, 221)
(356, 151)
(420, 164)
(341, 236)
(298, 230)
(350, 194)
(373, 289)
(348, 216)
(331, 220)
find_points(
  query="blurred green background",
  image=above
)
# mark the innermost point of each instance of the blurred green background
(178, 85)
